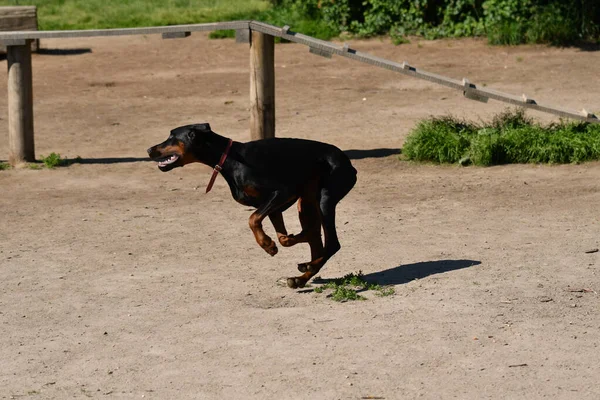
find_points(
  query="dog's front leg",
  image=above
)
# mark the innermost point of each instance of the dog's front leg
(277, 201)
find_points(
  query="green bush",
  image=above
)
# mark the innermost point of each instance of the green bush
(346, 288)
(509, 138)
(441, 140)
(502, 21)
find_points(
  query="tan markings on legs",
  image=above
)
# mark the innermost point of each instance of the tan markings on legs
(277, 221)
(310, 219)
(261, 237)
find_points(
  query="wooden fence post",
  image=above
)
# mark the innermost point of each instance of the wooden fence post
(20, 104)
(262, 85)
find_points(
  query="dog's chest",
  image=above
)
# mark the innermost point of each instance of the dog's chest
(246, 195)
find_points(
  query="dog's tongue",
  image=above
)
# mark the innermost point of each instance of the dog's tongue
(168, 161)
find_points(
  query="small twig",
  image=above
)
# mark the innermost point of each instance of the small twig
(517, 365)
(583, 290)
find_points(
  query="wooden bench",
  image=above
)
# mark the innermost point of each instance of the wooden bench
(19, 18)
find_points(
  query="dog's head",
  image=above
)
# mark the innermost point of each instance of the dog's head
(177, 150)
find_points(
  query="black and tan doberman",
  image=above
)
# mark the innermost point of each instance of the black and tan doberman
(271, 175)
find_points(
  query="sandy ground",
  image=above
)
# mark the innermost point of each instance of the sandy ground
(119, 281)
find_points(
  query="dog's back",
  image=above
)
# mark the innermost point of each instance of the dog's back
(294, 159)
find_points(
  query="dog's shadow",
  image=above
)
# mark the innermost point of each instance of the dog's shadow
(409, 272)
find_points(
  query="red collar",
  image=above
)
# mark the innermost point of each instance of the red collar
(219, 166)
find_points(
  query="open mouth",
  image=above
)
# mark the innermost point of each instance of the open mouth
(168, 160)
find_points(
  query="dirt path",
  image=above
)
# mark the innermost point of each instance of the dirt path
(119, 281)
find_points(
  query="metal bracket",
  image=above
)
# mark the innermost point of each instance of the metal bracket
(469, 94)
(175, 35)
(406, 66)
(587, 114)
(242, 36)
(527, 100)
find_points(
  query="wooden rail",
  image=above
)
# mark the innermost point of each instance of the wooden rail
(262, 77)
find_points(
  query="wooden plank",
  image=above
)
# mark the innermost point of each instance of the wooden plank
(20, 105)
(473, 92)
(320, 52)
(216, 26)
(262, 86)
(23, 18)
(317, 46)
(20, 18)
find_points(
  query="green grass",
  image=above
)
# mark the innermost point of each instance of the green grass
(53, 160)
(34, 166)
(347, 288)
(90, 14)
(510, 137)
(103, 14)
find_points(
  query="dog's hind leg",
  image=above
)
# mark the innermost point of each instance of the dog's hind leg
(334, 188)
(338, 184)
(310, 220)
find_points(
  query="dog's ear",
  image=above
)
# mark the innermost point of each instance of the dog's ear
(202, 127)
(191, 134)
(198, 129)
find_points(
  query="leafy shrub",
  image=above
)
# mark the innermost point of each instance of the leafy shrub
(52, 160)
(510, 138)
(346, 288)
(503, 21)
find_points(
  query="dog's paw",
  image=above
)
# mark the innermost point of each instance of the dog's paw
(303, 267)
(309, 267)
(271, 248)
(287, 240)
(295, 283)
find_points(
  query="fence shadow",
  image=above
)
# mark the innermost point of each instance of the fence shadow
(372, 153)
(54, 52)
(109, 160)
(406, 273)
(63, 52)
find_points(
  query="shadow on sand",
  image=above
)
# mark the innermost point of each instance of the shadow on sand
(371, 153)
(63, 52)
(112, 160)
(405, 273)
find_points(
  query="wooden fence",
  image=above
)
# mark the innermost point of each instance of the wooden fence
(262, 77)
